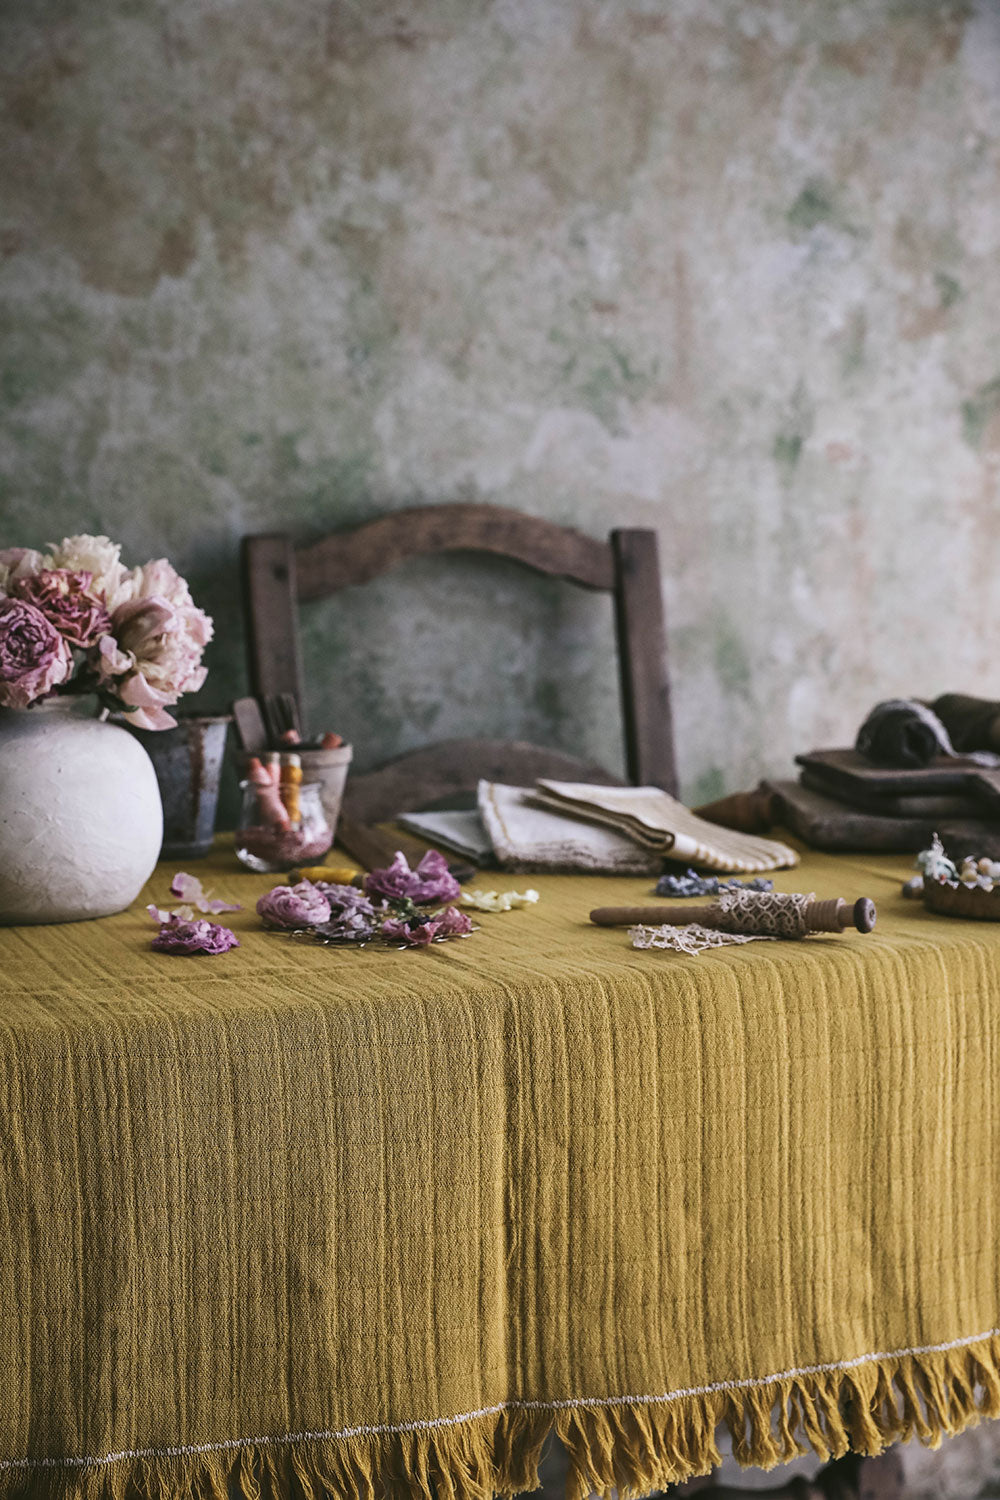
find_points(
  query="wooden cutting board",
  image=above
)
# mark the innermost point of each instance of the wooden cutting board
(851, 774)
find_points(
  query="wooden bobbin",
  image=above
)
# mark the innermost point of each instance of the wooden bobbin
(819, 916)
(835, 915)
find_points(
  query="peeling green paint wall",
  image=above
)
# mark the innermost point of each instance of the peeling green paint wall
(728, 268)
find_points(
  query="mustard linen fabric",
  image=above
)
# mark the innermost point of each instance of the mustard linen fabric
(307, 1221)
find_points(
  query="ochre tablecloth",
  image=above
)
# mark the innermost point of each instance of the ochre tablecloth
(376, 1221)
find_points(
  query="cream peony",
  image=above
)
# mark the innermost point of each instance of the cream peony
(98, 556)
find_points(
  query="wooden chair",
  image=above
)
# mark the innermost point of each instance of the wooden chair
(278, 576)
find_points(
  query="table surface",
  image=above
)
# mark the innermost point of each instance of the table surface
(553, 939)
(532, 1174)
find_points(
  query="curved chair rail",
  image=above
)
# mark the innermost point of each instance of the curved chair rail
(278, 575)
(424, 776)
(339, 560)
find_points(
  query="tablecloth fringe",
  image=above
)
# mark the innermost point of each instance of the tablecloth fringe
(865, 1407)
(632, 1447)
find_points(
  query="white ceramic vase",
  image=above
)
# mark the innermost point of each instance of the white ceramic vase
(80, 815)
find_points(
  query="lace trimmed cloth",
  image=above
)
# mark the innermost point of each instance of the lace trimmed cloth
(743, 917)
(692, 938)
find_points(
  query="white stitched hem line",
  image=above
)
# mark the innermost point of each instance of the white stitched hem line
(427, 1423)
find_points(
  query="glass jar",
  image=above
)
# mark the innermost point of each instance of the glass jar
(268, 841)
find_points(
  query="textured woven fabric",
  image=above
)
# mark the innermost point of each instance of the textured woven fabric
(526, 836)
(308, 1221)
(656, 821)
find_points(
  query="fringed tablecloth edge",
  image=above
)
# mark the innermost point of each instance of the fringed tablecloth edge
(629, 1445)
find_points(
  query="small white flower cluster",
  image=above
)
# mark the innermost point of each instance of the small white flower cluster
(977, 874)
(983, 874)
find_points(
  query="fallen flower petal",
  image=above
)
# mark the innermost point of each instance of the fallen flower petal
(190, 888)
(497, 900)
(179, 913)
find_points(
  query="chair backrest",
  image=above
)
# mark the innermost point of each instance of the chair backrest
(279, 575)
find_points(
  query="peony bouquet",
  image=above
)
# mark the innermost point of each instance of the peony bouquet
(74, 619)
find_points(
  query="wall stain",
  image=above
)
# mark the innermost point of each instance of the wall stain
(304, 270)
(787, 450)
(732, 664)
(814, 205)
(855, 336)
(981, 417)
(709, 786)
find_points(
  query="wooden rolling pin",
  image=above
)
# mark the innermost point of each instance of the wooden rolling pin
(739, 915)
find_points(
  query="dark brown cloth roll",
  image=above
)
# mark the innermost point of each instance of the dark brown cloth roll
(972, 723)
(896, 733)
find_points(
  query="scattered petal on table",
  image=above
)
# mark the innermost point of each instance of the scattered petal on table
(190, 888)
(497, 900)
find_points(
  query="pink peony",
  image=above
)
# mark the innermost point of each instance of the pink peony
(180, 937)
(430, 881)
(67, 601)
(289, 906)
(154, 651)
(34, 658)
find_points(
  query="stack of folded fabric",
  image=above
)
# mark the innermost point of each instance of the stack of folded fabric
(571, 826)
(915, 769)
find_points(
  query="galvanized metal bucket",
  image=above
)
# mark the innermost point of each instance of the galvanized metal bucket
(188, 765)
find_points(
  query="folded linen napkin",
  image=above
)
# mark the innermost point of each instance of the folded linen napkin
(658, 822)
(461, 832)
(526, 836)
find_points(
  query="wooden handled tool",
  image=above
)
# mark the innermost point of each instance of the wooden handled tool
(771, 912)
(748, 812)
(250, 728)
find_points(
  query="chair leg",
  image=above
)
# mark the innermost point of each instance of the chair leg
(848, 1478)
(882, 1478)
(855, 1478)
(706, 1488)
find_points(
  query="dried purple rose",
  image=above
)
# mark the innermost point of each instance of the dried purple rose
(418, 931)
(345, 898)
(191, 938)
(415, 934)
(349, 927)
(453, 923)
(287, 906)
(34, 658)
(430, 881)
(353, 916)
(66, 601)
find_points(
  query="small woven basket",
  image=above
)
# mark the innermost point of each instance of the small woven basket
(962, 901)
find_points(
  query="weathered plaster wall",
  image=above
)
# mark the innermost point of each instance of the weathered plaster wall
(728, 268)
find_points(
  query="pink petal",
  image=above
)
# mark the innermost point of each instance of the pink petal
(152, 718)
(190, 888)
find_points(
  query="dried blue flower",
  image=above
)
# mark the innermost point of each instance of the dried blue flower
(693, 884)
